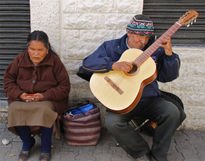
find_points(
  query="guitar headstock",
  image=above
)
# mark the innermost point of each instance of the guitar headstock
(188, 18)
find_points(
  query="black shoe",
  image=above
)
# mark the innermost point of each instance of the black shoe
(146, 157)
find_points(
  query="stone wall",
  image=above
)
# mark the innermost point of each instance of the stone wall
(190, 85)
(77, 27)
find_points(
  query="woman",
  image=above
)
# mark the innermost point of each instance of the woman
(37, 86)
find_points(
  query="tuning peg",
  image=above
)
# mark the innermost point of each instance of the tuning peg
(195, 20)
(192, 22)
(188, 25)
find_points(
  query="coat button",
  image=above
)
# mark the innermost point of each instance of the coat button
(33, 81)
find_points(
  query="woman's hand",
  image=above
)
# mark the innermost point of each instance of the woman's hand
(31, 97)
(167, 46)
(23, 97)
(122, 66)
(26, 97)
(38, 97)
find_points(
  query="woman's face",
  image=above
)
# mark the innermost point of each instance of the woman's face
(137, 41)
(37, 51)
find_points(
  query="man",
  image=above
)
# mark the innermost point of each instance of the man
(152, 106)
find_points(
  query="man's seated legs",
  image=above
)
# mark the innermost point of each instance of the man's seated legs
(129, 139)
(157, 109)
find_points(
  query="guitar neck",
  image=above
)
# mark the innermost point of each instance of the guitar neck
(149, 51)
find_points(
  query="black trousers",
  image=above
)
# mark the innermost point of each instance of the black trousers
(163, 112)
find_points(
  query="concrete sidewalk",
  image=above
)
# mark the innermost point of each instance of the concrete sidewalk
(187, 145)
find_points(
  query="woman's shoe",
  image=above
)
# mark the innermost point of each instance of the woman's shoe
(23, 155)
(45, 156)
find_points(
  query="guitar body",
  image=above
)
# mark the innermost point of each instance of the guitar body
(127, 90)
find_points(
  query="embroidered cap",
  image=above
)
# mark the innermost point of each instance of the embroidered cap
(141, 25)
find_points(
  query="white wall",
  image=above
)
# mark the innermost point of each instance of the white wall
(77, 27)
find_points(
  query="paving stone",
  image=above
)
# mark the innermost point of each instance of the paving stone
(187, 145)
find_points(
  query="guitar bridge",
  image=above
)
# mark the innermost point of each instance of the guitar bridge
(113, 85)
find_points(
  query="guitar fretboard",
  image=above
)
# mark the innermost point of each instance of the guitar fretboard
(149, 51)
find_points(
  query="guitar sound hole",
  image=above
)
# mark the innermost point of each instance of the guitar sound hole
(133, 70)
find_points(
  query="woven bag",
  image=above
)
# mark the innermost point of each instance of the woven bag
(82, 125)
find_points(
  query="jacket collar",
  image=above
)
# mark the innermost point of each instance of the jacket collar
(123, 42)
(120, 45)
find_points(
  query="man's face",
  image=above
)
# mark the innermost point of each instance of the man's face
(137, 41)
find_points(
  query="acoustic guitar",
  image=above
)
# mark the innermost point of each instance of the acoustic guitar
(120, 92)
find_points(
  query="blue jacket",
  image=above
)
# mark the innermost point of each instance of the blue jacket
(101, 61)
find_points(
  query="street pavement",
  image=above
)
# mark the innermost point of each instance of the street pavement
(187, 145)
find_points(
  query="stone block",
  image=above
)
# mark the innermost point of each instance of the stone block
(97, 6)
(81, 43)
(131, 6)
(68, 6)
(81, 21)
(195, 117)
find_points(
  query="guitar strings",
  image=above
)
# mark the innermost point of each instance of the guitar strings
(147, 53)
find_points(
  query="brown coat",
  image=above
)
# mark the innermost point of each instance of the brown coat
(49, 78)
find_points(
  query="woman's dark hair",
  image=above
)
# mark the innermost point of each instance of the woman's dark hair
(40, 36)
